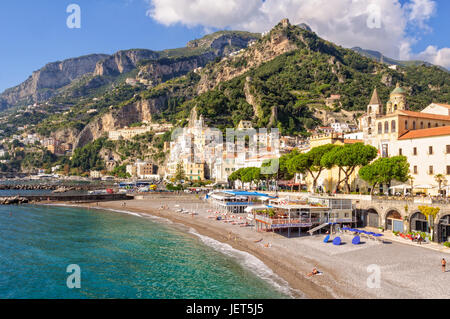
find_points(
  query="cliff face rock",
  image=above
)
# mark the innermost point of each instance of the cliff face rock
(116, 119)
(230, 67)
(43, 84)
(222, 43)
(123, 61)
(162, 70)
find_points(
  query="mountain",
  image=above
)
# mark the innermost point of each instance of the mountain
(89, 72)
(281, 79)
(42, 84)
(378, 56)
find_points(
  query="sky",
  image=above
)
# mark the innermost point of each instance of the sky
(36, 32)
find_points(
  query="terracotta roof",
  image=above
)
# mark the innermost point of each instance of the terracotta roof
(429, 132)
(424, 115)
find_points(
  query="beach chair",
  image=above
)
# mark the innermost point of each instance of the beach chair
(327, 239)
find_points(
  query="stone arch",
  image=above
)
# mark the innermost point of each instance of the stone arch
(442, 227)
(393, 220)
(418, 222)
(372, 217)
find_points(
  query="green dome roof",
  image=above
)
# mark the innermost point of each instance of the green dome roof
(398, 90)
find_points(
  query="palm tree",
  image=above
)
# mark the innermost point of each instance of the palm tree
(440, 179)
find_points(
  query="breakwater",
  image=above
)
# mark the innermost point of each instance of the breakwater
(15, 200)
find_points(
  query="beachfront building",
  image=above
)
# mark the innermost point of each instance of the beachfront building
(308, 213)
(328, 179)
(420, 136)
(236, 202)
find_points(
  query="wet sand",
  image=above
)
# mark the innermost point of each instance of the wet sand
(405, 271)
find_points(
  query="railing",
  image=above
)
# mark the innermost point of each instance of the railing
(282, 221)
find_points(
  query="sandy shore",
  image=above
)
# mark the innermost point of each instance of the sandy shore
(405, 271)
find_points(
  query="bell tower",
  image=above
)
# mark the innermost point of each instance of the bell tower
(397, 100)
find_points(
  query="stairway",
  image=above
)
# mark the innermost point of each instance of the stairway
(317, 228)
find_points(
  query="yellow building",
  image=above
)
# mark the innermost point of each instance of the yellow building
(329, 178)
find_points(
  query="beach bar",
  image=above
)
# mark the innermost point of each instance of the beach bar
(236, 202)
(309, 213)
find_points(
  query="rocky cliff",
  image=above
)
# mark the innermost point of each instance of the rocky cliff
(139, 111)
(276, 43)
(123, 61)
(44, 83)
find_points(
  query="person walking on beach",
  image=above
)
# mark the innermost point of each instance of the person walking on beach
(444, 264)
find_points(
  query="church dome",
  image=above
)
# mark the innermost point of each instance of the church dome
(398, 90)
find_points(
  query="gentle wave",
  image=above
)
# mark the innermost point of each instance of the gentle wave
(252, 263)
(255, 265)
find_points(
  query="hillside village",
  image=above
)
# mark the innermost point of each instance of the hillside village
(166, 118)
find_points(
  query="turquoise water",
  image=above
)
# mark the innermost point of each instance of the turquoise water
(121, 256)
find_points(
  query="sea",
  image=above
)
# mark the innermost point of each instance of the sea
(63, 252)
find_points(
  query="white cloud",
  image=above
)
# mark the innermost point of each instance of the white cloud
(371, 24)
(436, 56)
(419, 11)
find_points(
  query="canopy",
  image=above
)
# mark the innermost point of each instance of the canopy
(244, 193)
(249, 209)
(402, 186)
(424, 186)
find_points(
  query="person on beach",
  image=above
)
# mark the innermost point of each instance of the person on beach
(444, 264)
(313, 273)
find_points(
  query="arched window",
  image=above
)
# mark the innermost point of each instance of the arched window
(393, 126)
(414, 125)
(369, 120)
(406, 125)
(386, 127)
(395, 107)
(369, 109)
(370, 131)
(437, 125)
(421, 125)
(429, 125)
(380, 128)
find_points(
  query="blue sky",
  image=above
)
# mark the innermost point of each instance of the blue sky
(34, 33)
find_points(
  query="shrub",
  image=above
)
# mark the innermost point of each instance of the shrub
(447, 244)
